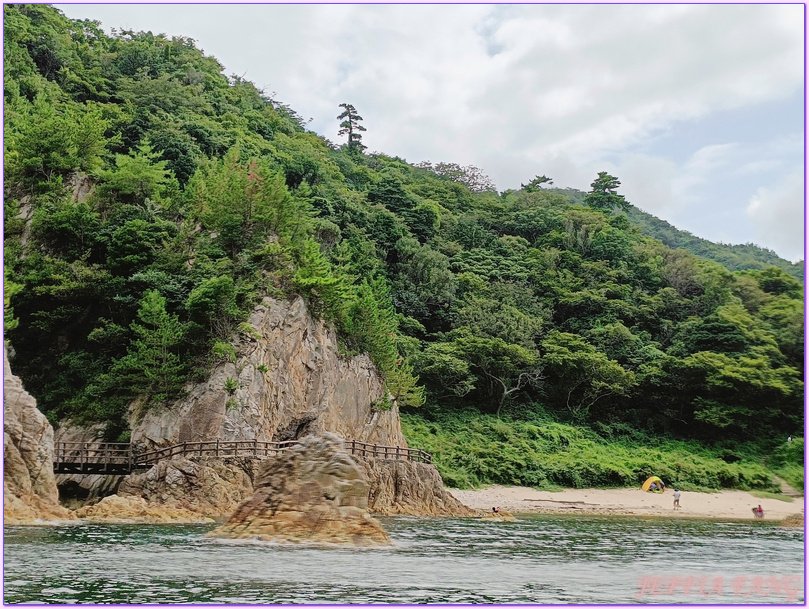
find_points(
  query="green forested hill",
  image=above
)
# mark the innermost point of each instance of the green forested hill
(531, 321)
(747, 256)
(743, 257)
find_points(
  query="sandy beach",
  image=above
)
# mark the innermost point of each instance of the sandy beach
(625, 501)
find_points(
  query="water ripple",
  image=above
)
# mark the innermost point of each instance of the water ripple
(538, 559)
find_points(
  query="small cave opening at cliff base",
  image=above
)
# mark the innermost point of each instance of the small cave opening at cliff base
(296, 429)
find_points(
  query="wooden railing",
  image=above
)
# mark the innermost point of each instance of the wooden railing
(215, 448)
(117, 458)
(92, 457)
(362, 449)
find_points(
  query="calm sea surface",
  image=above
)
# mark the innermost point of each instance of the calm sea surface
(538, 559)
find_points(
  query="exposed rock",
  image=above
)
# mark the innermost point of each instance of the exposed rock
(80, 185)
(292, 381)
(794, 520)
(312, 493)
(26, 214)
(116, 509)
(408, 487)
(29, 485)
(211, 487)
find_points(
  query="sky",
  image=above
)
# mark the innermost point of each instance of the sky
(697, 109)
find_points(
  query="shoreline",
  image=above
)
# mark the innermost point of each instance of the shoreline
(723, 505)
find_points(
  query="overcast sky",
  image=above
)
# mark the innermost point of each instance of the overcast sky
(697, 109)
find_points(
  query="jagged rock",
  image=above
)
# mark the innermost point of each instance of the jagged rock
(117, 509)
(794, 520)
(211, 487)
(312, 493)
(29, 485)
(408, 487)
(292, 381)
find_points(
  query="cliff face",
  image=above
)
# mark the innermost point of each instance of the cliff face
(29, 486)
(291, 381)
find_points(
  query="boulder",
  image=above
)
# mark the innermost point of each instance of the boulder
(29, 486)
(500, 516)
(312, 493)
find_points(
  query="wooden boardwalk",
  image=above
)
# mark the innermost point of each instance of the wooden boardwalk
(112, 458)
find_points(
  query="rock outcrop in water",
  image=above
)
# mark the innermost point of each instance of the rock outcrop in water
(29, 486)
(291, 381)
(136, 510)
(408, 487)
(313, 493)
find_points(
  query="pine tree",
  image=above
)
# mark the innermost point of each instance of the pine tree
(153, 364)
(351, 127)
(603, 196)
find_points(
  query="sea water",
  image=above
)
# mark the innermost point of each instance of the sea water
(538, 559)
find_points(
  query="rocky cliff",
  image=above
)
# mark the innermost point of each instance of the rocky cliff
(408, 487)
(289, 380)
(29, 486)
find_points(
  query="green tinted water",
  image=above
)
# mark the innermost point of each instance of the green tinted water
(540, 559)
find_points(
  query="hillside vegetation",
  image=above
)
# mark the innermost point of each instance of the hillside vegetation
(530, 336)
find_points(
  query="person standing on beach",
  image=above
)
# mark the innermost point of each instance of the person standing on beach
(676, 499)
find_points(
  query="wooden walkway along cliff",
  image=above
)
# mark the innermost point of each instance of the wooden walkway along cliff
(118, 458)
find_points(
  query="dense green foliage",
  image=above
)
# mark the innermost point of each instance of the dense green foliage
(202, 199)
(205, 195)
(735, 257)
(469, 449)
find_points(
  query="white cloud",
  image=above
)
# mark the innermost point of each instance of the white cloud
(778, 216)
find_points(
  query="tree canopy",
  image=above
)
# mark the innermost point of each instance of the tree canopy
(151, 202)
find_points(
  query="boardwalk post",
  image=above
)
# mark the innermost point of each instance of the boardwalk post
(255, 447)
(217, 447)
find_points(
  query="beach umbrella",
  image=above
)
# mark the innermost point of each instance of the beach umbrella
(648, 483)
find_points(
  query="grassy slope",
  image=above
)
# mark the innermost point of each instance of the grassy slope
(470, 449)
